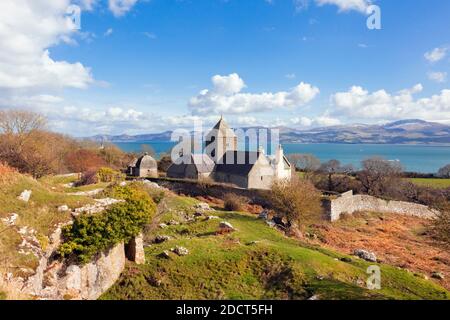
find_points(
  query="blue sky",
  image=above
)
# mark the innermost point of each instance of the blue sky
(141, 66)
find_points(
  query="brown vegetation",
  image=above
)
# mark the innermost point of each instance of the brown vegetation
(401, 241)
(297, 201)
(233, 202)
(26, 145)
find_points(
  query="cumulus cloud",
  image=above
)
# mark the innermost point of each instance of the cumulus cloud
(226, 97)
(436, 54)
(27, 29)
(360, 103)
(439, 77)
(121, 7)
(343, 5)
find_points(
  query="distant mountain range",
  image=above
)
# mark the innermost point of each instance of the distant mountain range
(400, 132)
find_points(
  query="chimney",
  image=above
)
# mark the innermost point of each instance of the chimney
(279, 154)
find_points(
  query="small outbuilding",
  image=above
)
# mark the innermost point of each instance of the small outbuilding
(144, 166)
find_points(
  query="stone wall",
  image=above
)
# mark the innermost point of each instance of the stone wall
(350, 203)
(194, 189)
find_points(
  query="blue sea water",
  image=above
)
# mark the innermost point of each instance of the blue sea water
(417, 158)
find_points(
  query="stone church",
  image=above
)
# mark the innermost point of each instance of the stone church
(227, 164)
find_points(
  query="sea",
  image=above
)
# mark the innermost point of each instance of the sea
(414, 158)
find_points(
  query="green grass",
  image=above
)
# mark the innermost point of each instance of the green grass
(431, 182)
(233, 267)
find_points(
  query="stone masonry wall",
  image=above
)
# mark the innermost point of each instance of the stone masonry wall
(349, 203)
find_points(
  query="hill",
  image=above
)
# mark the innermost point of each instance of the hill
(400, 132)
(254, 262)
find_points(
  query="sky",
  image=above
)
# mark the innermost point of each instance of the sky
(144, 66)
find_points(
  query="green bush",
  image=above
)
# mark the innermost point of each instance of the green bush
(90, 234)
(109, 175)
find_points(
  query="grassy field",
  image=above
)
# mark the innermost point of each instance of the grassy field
(254, 262)
(430, 182)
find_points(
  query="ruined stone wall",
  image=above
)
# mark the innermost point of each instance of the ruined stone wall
(349, 203)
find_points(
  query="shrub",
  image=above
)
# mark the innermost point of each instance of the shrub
(109, 175)
(296, 200)
(441, 225)
(90, 234)
(87, 178)
(233, 202)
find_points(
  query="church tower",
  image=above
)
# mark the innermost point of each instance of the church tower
(220, 140)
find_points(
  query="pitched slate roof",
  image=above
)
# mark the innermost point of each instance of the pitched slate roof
(237, 162)
(223, 128)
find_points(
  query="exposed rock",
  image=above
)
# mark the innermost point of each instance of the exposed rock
(181, 251)
(212, 217)
(165, 254)
(264, 215)
(134, 250)
(123, 184)
(270, 223)
(161, 239)
(86, 193)
(366, 255)
(253, 242)
(173, 223)
(25, 195)
(438, 275)
(11, 220)
(69, 185)
(314, 297)
(98, 206)
(63, 208)
(226, 226)
(163, 225)
(202, 206)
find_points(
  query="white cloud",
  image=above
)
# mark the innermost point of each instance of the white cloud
(226, 97)
(121, 7)
(358, 103)
(302, 121)
(27, 29)
(347, 5)
(439, 77)
(149, 35)
(290, 76)
(343, 5)
(436, 54)
(108, 32)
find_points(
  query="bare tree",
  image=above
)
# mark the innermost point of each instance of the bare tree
(333, 176)
(378, 175)
(304, 162)
(444, 172)
(19, 122)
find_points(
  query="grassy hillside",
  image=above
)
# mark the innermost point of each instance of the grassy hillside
(254, 262)
(39, 214)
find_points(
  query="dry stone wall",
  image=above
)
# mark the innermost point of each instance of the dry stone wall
(350, 203)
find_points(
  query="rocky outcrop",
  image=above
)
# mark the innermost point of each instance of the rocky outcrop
(56, 279)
